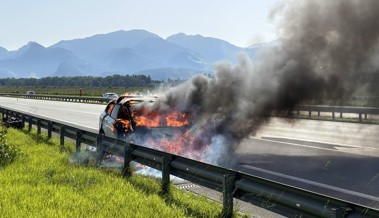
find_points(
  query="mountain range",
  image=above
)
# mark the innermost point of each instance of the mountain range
(122, 52)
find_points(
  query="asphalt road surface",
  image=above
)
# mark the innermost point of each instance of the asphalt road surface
(332, 158)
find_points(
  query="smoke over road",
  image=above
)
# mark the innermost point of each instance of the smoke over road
(325, 46)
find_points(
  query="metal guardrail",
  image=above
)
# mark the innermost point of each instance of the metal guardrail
(360, 111)
(60, 98)
(288, 201)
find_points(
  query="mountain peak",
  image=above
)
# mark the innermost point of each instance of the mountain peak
(3, 50)
(100, 43)
(209, 48)
(31, 46)
(183, 36)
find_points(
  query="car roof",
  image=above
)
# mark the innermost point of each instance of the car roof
(135, 99)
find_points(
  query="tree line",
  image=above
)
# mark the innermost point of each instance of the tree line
(84, 81)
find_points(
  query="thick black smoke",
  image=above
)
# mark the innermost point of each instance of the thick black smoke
(325, 46)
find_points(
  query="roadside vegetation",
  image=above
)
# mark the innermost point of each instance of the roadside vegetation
(42, 182)
(72, 91)
(7, 154)
(83, 85)
(79, 85)
(88, 81)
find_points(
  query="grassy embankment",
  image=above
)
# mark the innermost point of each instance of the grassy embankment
(42, 182)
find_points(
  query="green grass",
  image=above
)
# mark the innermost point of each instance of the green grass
(42, 182)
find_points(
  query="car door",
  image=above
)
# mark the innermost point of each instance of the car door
(109, 120)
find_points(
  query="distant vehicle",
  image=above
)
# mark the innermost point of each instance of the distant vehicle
(30, 93)
(109, 96)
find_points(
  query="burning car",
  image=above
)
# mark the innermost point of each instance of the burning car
(139, 121)
(130, 119)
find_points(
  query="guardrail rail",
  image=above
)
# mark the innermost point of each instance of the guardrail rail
(60, 98)
(362, 112)
(288, 201)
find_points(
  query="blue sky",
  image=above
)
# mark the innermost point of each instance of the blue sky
(241, 22)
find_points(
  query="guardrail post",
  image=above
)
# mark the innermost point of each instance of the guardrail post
(30, 122)
(309, 114)
(49, 129)
(341, 115)
(318, 113)
(227, 202)
(342, 212)
(23, 120)
(365, 116)
(62, 137)
(99, 148)
(38, 126)
(126, 171)
(79, 134)
(360, 117)
(166, 175)
(333, 115)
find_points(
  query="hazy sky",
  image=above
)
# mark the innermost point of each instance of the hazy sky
(241, 22)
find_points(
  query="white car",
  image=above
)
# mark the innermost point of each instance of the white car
(109, 96)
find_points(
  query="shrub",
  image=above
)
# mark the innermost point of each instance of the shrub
(7, 153)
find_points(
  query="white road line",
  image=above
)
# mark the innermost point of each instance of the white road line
(307, 146)
(294, 144)
(313, 141)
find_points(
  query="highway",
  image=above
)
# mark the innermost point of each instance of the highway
(332, 158)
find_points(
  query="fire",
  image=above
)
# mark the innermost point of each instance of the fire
(110, 108)
(170, 132)
(122, 125)
(148, 119)
(181, 143)
(143, 117)
(177, 119)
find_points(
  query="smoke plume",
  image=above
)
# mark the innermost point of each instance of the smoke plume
(325, 46)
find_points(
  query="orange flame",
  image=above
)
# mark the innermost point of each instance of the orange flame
(126, 125)
(146, 118)
(177, 119)
(110, 108)
(183, 144)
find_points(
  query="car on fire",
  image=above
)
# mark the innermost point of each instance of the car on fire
(126, 118)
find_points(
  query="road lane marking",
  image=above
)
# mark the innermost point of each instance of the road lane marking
(314, 141)
(310, 146)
